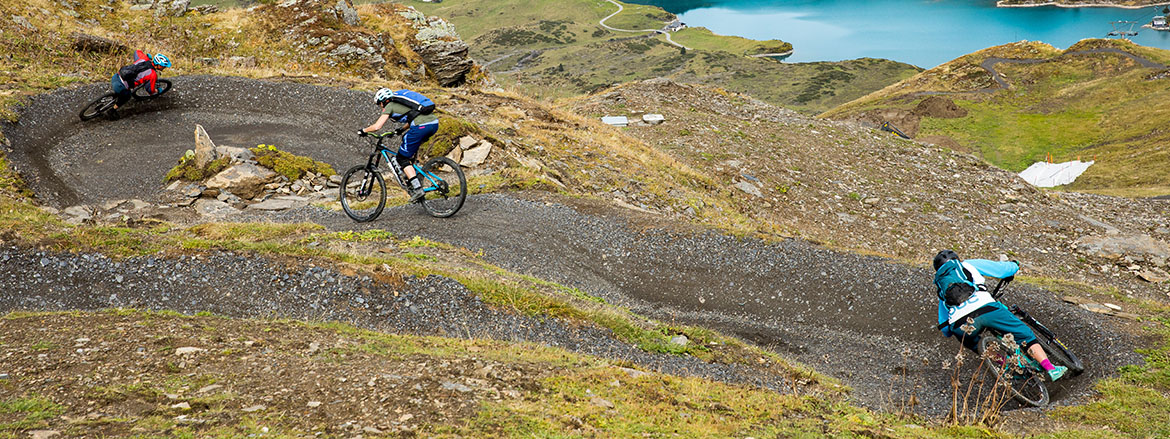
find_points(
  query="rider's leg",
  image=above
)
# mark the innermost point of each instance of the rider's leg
(412, 139)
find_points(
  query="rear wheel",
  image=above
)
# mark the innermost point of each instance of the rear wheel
(446, 192)
(362, 193)
(143, 91)
(1005, 365)
(98, 106)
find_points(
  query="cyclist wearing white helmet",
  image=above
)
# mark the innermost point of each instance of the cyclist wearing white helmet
(415, 112)
(144, 70)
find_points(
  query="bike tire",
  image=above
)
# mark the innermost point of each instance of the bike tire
(98, 107)
(1027, 387)
(362, 204)
(1058, 352)
(444, 197)
(143, 92)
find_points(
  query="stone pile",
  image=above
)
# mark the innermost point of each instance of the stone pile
(470, 152)
(245, 184)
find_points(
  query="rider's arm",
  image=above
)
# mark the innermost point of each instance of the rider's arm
(151, 78)
(996, 269)
(377, 124)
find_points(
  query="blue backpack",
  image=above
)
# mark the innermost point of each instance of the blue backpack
(954, 284)
(415, 101)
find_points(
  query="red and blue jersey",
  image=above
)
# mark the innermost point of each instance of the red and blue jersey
(141, 71)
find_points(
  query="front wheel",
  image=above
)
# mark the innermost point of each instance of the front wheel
(1009, 366)
(98, 106)
(143, 91)
(444, 185)
(362, 193)
(1059, 353)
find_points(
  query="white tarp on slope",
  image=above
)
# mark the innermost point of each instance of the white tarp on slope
(1044, 174)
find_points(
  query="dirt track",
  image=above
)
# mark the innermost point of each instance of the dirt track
(846, 315)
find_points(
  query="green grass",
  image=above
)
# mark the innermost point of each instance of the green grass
(30, 412)
(1012, 137)
(1099, 107)
(703, 39)
(1137, 401)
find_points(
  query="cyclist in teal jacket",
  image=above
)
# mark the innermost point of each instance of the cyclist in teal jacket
(963, 300)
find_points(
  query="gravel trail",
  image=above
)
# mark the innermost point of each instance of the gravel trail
(862, 319)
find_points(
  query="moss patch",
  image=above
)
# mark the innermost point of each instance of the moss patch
(186, 169)
(290, 165)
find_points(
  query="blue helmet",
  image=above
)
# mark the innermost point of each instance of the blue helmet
(161, 61)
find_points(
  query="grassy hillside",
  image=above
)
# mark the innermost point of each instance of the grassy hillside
(1091, 106)
(555, 49)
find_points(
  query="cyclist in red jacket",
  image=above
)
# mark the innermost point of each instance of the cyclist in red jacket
(144, 70)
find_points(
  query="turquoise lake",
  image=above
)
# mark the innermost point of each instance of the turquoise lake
(920, 32)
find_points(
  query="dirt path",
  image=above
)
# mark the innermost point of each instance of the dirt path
(864, 320)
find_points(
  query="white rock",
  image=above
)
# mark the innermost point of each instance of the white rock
(205, 150)
(188, 350)
(477, 155)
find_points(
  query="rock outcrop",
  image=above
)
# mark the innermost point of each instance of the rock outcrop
(443, 52)
(91, 43)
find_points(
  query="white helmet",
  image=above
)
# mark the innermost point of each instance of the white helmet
(383, 96)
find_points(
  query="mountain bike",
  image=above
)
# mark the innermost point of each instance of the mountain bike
(363, 190)
(1006, 363)
(106, 102)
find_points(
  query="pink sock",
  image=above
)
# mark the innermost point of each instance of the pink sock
(1047, 365)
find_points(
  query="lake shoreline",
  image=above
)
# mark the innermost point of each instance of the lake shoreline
(1000, 4)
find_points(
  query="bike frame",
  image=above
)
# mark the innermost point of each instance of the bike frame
(382, 152)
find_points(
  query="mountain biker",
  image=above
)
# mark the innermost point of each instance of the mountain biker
(415, 112)
(965, 307)
(144, 70)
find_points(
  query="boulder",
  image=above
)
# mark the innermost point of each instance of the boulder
(345, 12)
(24, 23)
(749, 188)
(170, 8)
(245, 180)
(237, 154)
(447, 60)
(245, 62)
(466, 142)
(205, 151)
(476, 156)
(92, 43)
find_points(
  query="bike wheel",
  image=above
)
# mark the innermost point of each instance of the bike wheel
(446, 192)
(98, 106)
(143, 92)
(362, 193)
(1003, 366)
(1058, 353)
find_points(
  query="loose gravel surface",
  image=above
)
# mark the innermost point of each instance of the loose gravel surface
(864, 320)
(251, 287)
(68, 161)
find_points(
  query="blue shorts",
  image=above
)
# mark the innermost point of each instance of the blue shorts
(415, 137)
(117, 85)
(998, 318)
